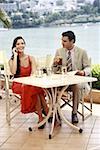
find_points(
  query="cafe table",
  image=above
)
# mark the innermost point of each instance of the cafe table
(50, 85)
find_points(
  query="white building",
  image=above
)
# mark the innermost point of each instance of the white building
(9, 6)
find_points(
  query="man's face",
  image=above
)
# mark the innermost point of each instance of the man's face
(66, 43)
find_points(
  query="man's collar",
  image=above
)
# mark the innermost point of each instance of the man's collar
(72, 50)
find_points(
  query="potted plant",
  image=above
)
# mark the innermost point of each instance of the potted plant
(95, 93)
(96, 74)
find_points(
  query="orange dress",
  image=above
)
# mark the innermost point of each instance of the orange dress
(28, 93)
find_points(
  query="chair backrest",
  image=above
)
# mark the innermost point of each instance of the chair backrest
(45, 61)
(49, 60)
(4, 62)
(41, 61)
(1, 59)
(10, 97)
(6, 72)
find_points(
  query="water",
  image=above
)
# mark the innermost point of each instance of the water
(42, 41)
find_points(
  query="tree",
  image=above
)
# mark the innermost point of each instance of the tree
(97, 5)
(59, 2)
(4, 18)
(2, 1)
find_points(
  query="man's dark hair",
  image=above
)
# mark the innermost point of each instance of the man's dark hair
(70, 35)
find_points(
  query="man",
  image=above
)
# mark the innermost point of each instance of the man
(76, 60)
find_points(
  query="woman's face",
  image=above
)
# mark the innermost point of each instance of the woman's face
(20, 45)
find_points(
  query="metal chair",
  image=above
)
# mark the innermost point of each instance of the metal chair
(12, 99)
(45, 63)
(67, 100)
(85, 107)
(67, 97)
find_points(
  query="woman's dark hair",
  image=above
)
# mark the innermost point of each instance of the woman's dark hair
(70, 35)
(12, 57)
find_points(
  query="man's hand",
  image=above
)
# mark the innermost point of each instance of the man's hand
(80, 73)
(58, 60)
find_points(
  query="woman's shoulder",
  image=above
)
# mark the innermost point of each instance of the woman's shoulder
(30, 57)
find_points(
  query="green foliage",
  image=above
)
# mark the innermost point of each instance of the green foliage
(4, 18)
(96, 73)
(1, 67)
(97, 5)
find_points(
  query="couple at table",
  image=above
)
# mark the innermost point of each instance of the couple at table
(21, 64)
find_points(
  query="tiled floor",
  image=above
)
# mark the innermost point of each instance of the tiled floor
(17, 136)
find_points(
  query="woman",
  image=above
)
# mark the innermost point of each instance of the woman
(22, 65)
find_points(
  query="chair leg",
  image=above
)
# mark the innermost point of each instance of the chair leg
(91, 100)
(67, 99)
(82, 108)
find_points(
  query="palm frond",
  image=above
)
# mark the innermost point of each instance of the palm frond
(5, 19)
